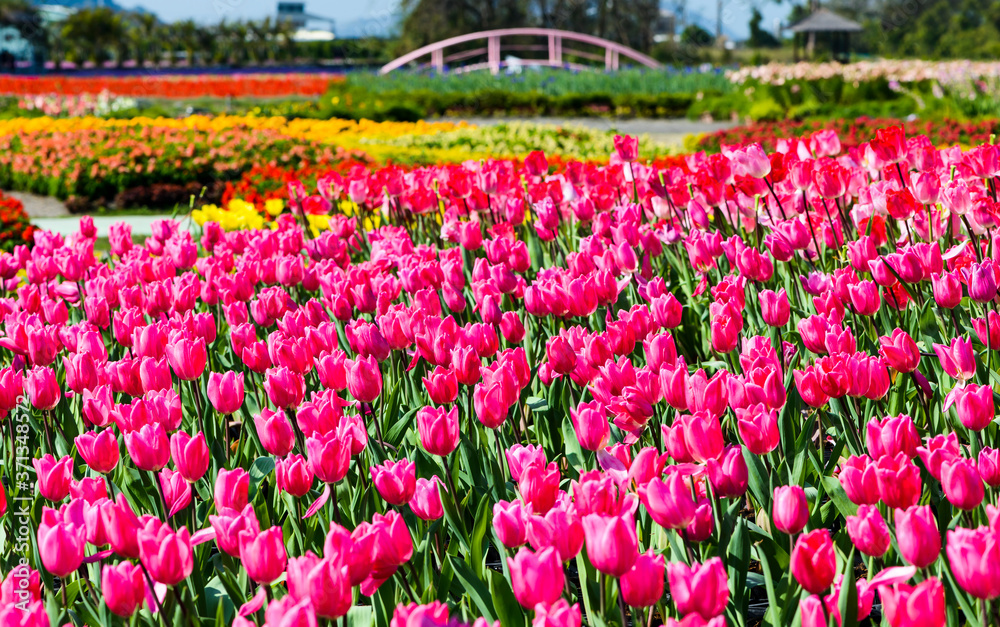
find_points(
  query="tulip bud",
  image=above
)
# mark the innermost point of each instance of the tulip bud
(917, 535)
(868, 531)
(790, 509)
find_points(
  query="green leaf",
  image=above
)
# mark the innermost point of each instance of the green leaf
(848, 601)
(759, 483)
(536, 403)
(216, 596)
(484, 517)
(574, 452)
(509, 611)
(261, 468)
(843, 504)
(360, 616)
(475, 588)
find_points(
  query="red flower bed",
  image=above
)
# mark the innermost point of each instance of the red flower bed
(852, 132)
(172, 86)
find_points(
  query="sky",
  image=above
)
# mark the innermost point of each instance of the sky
(376, 17)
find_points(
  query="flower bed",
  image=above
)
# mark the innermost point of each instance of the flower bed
(727, 386)
(852, 133)
(172, 86)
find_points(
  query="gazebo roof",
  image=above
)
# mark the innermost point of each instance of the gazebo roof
(825, 21)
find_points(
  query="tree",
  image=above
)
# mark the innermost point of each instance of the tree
(92, 33)
(694, 35)
(760, 38)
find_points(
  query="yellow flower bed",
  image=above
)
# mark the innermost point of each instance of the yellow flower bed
(328, 131)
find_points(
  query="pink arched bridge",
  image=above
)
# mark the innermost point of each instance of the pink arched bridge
(438, 58)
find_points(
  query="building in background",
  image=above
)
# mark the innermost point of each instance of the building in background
(308, 27)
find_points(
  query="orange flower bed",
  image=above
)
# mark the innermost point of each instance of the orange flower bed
(172, 86)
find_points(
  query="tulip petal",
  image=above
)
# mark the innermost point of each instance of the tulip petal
(96, 557)
(254, 604)
(613, 466)
(893, 575)
(318, 503)
(203, 536)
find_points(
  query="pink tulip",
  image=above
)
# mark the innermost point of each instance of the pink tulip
(962, 483)
(974, 556)
(275, 431)
(99, 449)
(438, 429)
(669, 502)
(758, 427)
(426, 499)
(329, 457)
(859, 479)
(701, 589)
(364, 379)
(917, 535)
(42, 388)
(869, 532)
(899, 481)
(536, 577)
(922, 605)
(395, 481)
(559, 528)
(612, 545)
(900, 351)
(225, 391)
(510, 523)
(957, 358)
(190, 455)
(814, 562)
(232, 489)
(559, 614)
(974, 405)
(148, 447)
(947, 289)
(187, 357)
(124, 588)
(263, 554)
(293, 475)
(321, 582)
(790, 509)
(729, 474)
(62, 538)
(590, 421)
(165, 554)
(284, 387)
(176, 491)
(228, 524)
(442, 386)
(642, 585)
